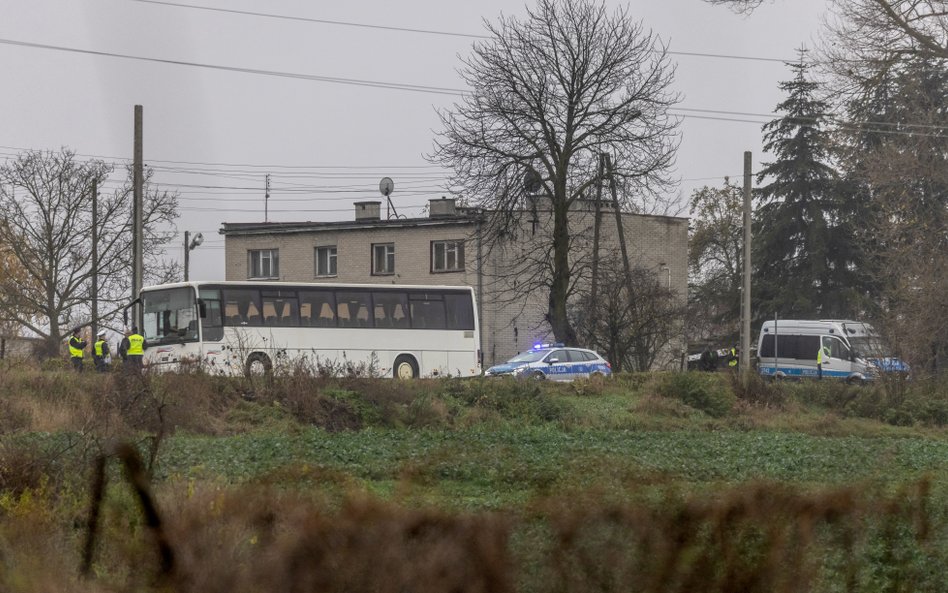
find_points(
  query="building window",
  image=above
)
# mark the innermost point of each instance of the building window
(447, 256)
(264, 263)
(326, 261)
(383, 259)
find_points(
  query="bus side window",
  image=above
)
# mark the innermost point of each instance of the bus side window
(232, 314)
(391, 309)
(460, 311)
(317, 308)
(427, 311)
(353, 309)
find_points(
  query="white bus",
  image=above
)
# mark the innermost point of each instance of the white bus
(250, 327)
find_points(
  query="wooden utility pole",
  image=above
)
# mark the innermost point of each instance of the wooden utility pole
(744, 360)
(594, 286)
(138, 181)
(95, 258)
(615, 204)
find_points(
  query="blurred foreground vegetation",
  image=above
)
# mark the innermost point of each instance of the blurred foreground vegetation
(647, 482)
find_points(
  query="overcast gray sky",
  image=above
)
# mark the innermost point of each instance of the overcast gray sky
(213, 133)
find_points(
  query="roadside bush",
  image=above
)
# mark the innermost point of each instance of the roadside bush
(756, 390)
(514, 399)
(923, 403)
(707, 392)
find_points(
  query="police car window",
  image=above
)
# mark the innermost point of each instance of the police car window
(531, 356)
(559, 355)
(581, 356)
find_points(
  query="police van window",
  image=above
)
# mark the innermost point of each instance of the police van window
(787, 346)
(767, 346)
(837, 348)
(807, 347)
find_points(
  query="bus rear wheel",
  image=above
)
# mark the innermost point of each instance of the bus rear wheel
(405, 367)
(258, 365)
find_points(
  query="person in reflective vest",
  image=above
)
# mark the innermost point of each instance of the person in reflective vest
(732, 358)
(135, 350)
(821, 354)
(76, 347)
(101, 355)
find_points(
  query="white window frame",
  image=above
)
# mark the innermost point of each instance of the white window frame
(332, 261)
(255, 264)
(450, 247)
(388, 267)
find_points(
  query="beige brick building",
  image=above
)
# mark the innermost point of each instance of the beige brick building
(447, 248)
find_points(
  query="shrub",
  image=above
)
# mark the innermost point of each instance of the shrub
(514, 399)
(906, 405)
(703, 391)
(756, 390)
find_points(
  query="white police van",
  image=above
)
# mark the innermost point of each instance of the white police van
(788, 349)
(554, 362)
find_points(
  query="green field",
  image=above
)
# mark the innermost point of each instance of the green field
(643, 483)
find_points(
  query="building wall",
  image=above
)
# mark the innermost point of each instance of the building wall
(511, 321)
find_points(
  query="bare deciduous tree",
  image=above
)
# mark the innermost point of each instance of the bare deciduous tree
(633, 330)
(549, 94)
(918, 27)
(46, 227)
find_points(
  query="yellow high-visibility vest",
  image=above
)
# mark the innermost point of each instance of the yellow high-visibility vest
(136, 344)
(98, 348)
(75, 349)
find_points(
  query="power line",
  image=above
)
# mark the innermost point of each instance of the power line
(262, 72)
(423, 31)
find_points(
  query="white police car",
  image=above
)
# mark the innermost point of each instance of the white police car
(554, 362)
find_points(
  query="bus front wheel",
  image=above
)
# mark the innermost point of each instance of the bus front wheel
(258, 364)
(405, 367)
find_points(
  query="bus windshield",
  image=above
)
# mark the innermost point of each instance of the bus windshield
(170, 316)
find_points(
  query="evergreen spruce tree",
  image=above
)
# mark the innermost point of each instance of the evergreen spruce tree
(803, 254)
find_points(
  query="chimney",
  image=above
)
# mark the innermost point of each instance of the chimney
(441, 208)
(370, 210)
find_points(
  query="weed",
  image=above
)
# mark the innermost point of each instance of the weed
(703, 391)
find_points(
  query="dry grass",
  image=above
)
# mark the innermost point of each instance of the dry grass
(764, 538)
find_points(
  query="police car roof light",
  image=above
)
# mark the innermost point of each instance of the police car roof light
(539, 346)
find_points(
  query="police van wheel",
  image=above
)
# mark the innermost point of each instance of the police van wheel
(405, 367)
(258, 365)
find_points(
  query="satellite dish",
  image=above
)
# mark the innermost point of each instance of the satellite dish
(532, 182)
(386, 186)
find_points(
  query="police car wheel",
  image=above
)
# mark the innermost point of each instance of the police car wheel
(539, 376)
